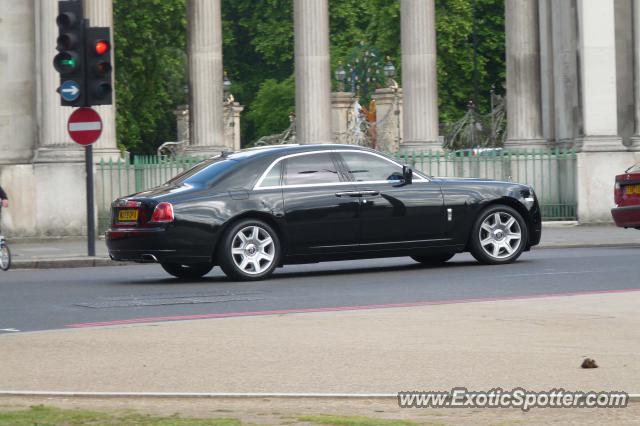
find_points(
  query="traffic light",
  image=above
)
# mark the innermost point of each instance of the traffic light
(69, 62)
(99, 68)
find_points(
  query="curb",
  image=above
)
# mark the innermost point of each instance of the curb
(249, 395)
(73, 262)
(89, 262)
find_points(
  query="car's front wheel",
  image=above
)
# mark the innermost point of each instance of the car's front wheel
(189, 271)
(249, 251)
(499, 235)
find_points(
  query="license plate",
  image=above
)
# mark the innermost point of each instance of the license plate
(130, 215)
(632, 189)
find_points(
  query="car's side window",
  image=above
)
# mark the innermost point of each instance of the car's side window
(311, 169)
(273, 177)
(367, 168)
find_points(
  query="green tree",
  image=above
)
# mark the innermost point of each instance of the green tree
(272, 106)
(150, 45)
(150, 58)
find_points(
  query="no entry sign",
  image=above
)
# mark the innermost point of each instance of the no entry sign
(85, 126)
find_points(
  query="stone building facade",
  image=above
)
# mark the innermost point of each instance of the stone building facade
(573, 76)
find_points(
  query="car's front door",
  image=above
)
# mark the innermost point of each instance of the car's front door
(321, 213)
(393, 213)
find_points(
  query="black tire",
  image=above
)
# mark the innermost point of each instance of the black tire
(480, 241)
(433, 259)
(5, 257)
(187, 271)
(231, 263)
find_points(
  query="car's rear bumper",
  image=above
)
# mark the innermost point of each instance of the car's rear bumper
(152, 245)
(626, 216)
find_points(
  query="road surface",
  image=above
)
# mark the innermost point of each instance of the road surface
(61, 298)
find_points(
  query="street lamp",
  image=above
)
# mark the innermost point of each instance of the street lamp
(389, 71)
(340, 75)
(226, 84)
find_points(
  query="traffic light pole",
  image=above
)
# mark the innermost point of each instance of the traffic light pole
(88, 163)
(91, 218)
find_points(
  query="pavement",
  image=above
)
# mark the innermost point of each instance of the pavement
(536, 344)
(71, 252)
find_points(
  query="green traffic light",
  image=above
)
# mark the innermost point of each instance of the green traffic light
(66, 62)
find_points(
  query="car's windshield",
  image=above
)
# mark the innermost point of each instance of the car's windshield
(204, 172)
(634, 169)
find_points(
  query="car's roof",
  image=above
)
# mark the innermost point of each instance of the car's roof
(277, 150)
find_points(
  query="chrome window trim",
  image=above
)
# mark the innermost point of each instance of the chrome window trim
(258, 185)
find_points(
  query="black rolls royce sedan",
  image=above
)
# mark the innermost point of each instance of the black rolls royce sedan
(254, 210)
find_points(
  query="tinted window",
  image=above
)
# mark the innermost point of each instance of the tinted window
(273, 177)
(311, 169)
(366, 167)
(204, 173)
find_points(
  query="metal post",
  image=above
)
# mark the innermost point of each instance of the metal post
(91, 222)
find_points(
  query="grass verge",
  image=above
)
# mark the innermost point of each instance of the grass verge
(40, 415)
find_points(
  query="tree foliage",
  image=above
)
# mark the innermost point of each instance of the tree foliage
(150, 70)
(150, 38)
(274, 102)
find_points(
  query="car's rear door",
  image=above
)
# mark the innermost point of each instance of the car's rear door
(394, 214)
(320, 206)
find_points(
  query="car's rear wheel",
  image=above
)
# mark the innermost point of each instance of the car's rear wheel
(250, 250)
(498, 236)
(433, 259)
(192, 271)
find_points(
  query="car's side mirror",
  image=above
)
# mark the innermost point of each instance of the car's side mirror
(407, 175)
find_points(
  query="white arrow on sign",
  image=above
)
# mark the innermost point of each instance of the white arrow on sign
(73, 90)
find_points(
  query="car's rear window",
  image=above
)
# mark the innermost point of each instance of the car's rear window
(203, 173)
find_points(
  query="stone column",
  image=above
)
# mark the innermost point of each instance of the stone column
(524, 123)
(205, 77)
(54, 142)
(17, 82)
(602, 155)
(341, 111)
(566, 98)
(59, 171)
(389, 118)
(597, 49)
(100, 14)
(635, 140)
(419, 75)
(313, 74)
(547, 88)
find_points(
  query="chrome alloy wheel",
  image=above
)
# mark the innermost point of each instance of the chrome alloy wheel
(253, 250)
(500, 235)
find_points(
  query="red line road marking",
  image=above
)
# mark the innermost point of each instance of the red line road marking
(341, 308)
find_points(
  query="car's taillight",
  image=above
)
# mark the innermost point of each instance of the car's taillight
(163, 213)
(617, 193)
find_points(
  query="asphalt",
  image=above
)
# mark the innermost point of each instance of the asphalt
(53, 299)
(71, 252)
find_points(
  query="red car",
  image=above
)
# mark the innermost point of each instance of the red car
(626, 214)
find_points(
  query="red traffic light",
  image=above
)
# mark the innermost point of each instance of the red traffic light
(102, 47)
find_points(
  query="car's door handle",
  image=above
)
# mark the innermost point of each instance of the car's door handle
(349, 194)
(369, 193)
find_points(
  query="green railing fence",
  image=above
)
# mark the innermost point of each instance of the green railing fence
(115, 179)
(551, 171)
